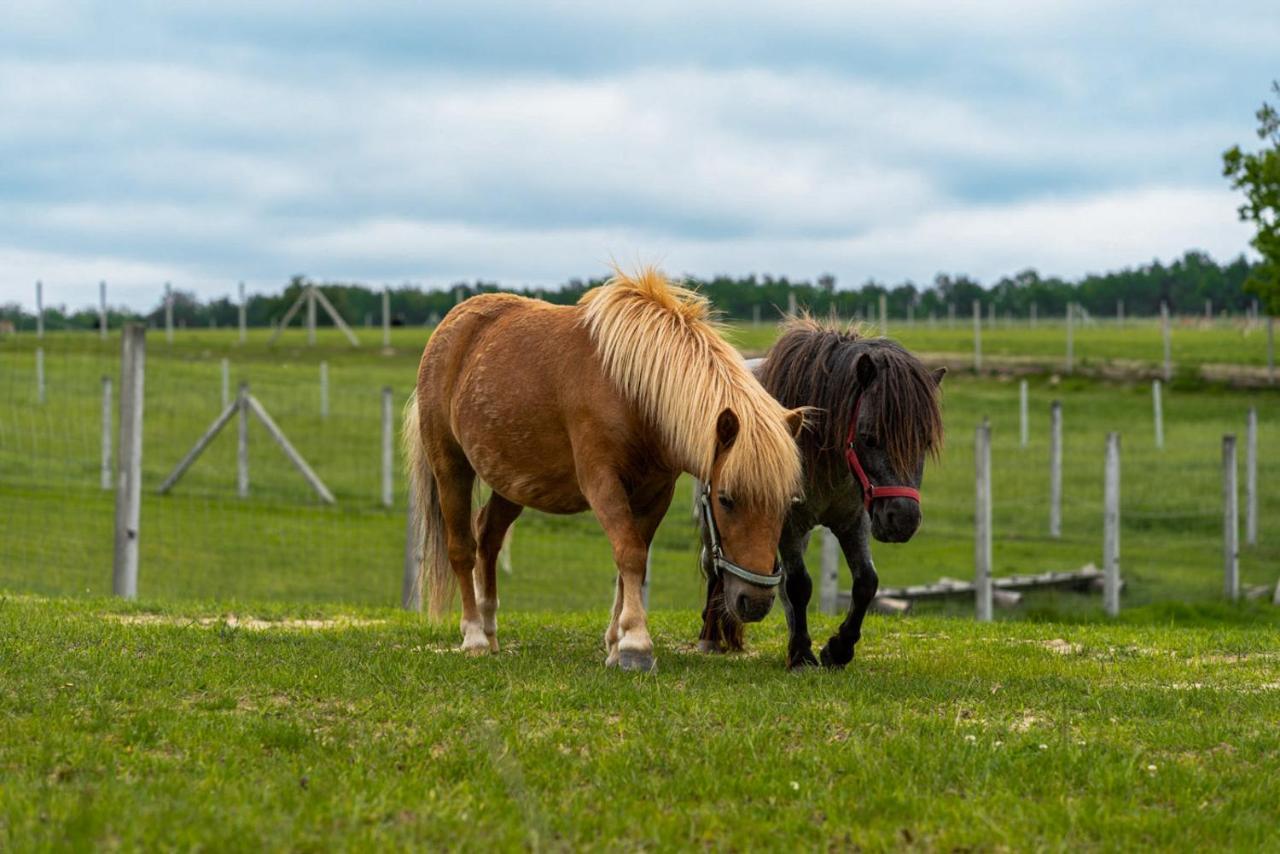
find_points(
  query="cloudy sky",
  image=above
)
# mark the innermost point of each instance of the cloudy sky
(204, 143)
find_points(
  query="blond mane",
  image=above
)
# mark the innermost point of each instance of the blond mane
(659, 344)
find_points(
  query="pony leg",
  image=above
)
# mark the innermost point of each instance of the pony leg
(712, 637)
(797, 590)
(494, 520)
(855, 543)
(454, 479)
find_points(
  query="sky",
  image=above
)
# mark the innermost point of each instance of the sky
(528, 143)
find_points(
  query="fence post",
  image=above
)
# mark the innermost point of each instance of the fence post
(1111, 529)
(102, 310)
(226, 382)
(106, 432)
(884, 315)
(388, 458)
(242, 317)
(1164, 335)
(1251, 479)
(168, 314)
(951, 315)
(1024, 430)
(911, 316)
(791, 304)
(40, 393)
(1208, 310)
(1157, 405)
(977, 337)
(242, 442)
(39, 309)
(1271, 350)
(755, 314)
(1033, 315)
(1055, 469)
(411, 587)
(133, 347)
(982, 523)
(1230, 520)
(386, 317)
(1120, 313)
(311, 316)
(324, 389)
(1071, 338)
(829, 580)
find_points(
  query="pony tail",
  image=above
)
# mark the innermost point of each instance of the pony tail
(433, 566)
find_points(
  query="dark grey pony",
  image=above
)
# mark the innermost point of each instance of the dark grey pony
(875, 407)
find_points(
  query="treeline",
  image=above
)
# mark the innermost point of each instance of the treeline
(1184, 285)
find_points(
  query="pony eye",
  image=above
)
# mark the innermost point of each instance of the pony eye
(726, 502)
(871, 442)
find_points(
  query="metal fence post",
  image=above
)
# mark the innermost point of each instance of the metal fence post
(1055, 469)
(1230, 520)
(1164, 336)
(977, 337)
(1111, 528)
(324, 389)
(388, 457)
(133, 353)
(242, 317)
(982, 523)
(106, 432)
(1024, 430)
(1157, 406)
(1251, 479)
(411, 587)
(829, 579)
(242, 442)
(40, 389)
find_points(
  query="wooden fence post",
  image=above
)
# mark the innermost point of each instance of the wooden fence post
(411, 587)
(40, 388)
(168, 313)
(1055, 469)
(1251, 478)
(1033, 315)
(102, 310)
(324, 389)
(1071, 338)
(977, 337)
(386, 317)
(791, 304)
(1111, 528)
(951, 315)
(106, 433)
(242, 442)
(1164, 336)
(1024, 430)
(388, 457)
(884, 315)
(1157, 406)
(226, 382)
(755, 314)
(1230, 520)
(982, 523)
(242, 316)
(311, 315)
(829, 579)
(1120, 313)
(39, 309)
(133, 347)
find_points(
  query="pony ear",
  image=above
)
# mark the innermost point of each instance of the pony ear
(865, 370)
(938, 375)
(727, 427)
(795, 422)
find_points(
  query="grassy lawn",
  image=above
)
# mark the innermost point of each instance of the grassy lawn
(185, 727)
(282, 544)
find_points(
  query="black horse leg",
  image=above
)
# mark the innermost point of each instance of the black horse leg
(855, 542)
(797, 589)
(711, 639)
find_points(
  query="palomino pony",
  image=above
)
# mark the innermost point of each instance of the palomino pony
(877, 418)
(600, 405)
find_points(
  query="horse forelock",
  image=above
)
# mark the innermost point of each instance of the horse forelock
(660, 345)
(814, 364)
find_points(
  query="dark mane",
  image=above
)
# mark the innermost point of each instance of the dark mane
(812, 364)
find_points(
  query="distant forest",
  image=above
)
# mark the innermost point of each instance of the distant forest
(1185, 285)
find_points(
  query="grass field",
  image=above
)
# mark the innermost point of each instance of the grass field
(281, 544)
(187, 727)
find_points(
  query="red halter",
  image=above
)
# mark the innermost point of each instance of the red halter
(870, 492)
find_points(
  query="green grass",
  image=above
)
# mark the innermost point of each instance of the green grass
(942, 734)
(282, 544)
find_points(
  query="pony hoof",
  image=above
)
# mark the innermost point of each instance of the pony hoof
(829, 660)
(630, 659)
(710, 647)
(493, 643)
(802, 660)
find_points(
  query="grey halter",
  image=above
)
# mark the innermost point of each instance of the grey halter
(723, 564)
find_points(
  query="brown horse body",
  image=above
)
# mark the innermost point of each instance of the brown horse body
(598, 406)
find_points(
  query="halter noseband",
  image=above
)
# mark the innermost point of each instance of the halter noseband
(722, 563)
(870, 492)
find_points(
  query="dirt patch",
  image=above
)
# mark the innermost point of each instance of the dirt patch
(1062, 647)
(233, 621)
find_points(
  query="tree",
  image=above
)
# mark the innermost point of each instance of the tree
(1258, 175)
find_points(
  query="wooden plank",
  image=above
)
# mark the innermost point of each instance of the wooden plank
(335, 317)
(198, 448)
(288, 316)
(289, 451)
(124, 573)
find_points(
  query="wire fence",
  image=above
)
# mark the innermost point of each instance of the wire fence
(282, 540)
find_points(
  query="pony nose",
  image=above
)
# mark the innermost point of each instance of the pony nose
(901, 517)
(752, 609)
